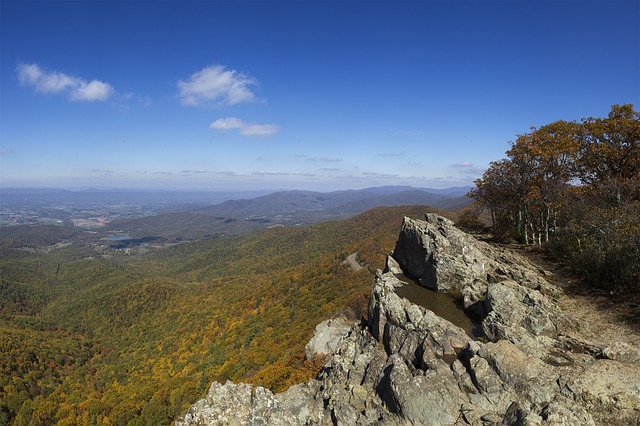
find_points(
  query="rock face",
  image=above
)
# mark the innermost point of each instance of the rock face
(326, 337)
(240, 404)
(409, 366)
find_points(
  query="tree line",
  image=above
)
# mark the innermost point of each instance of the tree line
(574, 188)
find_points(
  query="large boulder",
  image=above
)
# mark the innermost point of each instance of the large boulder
(444, 258)
(327, 336)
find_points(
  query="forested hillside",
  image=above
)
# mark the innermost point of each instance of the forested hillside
(574, 188)
(135, 340)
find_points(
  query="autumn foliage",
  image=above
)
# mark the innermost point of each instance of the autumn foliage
(574, 188)
(136, 340)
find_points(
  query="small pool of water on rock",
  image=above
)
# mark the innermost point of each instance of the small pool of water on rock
(442, 304)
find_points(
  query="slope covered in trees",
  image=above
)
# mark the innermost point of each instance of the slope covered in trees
(136, 340)
(575, 188)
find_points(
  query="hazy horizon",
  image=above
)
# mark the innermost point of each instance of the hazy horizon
(208, 190)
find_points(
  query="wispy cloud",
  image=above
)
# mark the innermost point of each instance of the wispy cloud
(259, 130)
(245, 129)
(103, 172)
(467, 168)
(5, 151)
(189, 172)
(282, 174)
(145, 101)
(473, 171)
(380, 175)
(463, 165)
(324, 159)
(55, 82)
(391, 154)
(215, 86)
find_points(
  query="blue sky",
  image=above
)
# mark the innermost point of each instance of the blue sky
(312, 95)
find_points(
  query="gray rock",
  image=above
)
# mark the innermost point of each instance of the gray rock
(621, 352)
(610, 391)
(517, 415)
(445, 258)
(326, 337)
(392, 266)
(237, 404)
(522, 316)
(429, 399)
(300, 401)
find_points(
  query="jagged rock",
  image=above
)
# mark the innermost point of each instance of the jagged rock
(392, 266)
(237, 404)
(406, 365)
(349, 380)
(411, 330)
(432, 398)
(326, 337)
(443, 257)
(517, 415)
(299, 400)
(473, 296)
(522, 316)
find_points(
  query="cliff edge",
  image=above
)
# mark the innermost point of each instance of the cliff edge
(407, 365)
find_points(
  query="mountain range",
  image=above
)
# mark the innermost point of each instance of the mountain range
(289, 208)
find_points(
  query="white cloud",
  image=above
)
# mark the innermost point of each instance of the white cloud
(92, 91)
(259, 130)
(227, 124)
(5, 151)
(215, 85)
(56, 82)
(464, 164)
(233, 123)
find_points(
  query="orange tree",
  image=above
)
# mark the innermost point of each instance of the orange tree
(576, 185)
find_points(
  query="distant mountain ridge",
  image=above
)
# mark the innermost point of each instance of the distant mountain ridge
(173, 216)
(340, 204)
(288, 208)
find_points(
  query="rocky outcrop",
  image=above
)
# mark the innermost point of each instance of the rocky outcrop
(327, 337)
(443, 258)
(406, 365)
(237, 404)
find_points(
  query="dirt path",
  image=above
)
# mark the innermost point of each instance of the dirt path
(602, 318)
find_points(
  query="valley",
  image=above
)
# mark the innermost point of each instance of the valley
(107, 223)
(129, 323)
